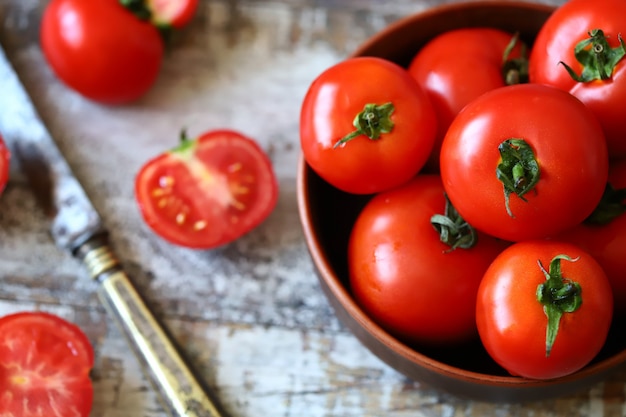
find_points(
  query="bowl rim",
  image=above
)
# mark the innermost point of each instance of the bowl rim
(341, 293)
(445, 8)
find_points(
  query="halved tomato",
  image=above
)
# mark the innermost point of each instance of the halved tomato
(44, 367)
(207, 192)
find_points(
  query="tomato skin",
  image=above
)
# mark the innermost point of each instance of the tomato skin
(512, 323)
(456, 67)
(209, 191)
(5, 157)
(569, 146)
(100, 49)
(555, 42)
(405, 278)
(606, 242)
(44, 364)
(364, 166)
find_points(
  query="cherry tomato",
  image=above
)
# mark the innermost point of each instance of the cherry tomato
(460, 65)
(544, 309)
(207, 192)
(603, 234)
(415, 265)
(4, 164)
(554, 51)
(366, 125)
(44, 366)
(524, 161)
(172, 13)
(100, 49)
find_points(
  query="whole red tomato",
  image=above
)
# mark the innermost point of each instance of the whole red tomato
(602, 87)
(366, 125)
(461, 64)
(44, 366)
(524, 161)
(100, 49)
(415, 265)
(603, 234)
(544, 309)
(208, 191)
(4, 164)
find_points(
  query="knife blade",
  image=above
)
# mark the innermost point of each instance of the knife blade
(77, 227)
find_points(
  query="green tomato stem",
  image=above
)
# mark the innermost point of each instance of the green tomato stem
(518, 170)
(453, 230)
(373, 121)
(515, 70)
(597, 57)
(558, 295)
(138, 8)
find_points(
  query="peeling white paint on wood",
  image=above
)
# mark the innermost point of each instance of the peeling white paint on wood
(251, 315)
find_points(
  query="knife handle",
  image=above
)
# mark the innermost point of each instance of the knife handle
(179, 391)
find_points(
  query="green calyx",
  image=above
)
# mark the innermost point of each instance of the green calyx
(558, 295)
(373, 121)
(518, 170)
(515, 70)
(611, 205)
(141, 10)
(453, 230)
(185, 146)
(597, 57)
(138, 8)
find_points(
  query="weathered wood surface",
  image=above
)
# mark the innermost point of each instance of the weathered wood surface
(251, 316)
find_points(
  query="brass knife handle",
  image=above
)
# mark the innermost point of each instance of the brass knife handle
(179, 391)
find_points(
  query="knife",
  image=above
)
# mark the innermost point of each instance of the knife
(77, 228)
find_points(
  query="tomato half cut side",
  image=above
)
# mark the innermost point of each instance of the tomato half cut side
(207, 192)
(44, 367)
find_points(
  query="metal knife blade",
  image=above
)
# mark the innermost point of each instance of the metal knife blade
(77, 227)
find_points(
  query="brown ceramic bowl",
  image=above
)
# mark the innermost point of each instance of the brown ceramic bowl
(327, 215)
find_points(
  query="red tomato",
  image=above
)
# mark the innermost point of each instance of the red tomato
(4, 164)
(460, 65)
(44, 366)
(207, 192)
(172, 13)
(100, 49)
(513, 322)
(556, 42)
(382, 109)
(405, 277)
(543, 143)
(603, 235)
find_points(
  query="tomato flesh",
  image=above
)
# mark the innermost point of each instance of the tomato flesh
(44, 367)
(207, 192)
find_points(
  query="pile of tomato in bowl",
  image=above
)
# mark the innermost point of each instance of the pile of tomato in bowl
(460, 191)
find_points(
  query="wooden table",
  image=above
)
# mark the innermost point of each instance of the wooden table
(251, 315)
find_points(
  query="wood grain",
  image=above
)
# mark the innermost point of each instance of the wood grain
(251, 315)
